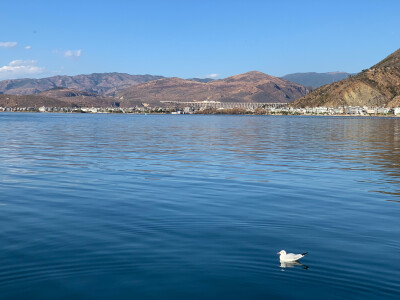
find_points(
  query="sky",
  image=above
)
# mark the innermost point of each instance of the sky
(187, 39)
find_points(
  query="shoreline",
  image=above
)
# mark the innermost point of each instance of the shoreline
(210, 114)
(215, 109)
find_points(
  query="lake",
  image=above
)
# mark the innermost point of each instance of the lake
(100, 206)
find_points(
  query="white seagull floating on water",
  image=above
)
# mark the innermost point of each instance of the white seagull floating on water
(288, 257)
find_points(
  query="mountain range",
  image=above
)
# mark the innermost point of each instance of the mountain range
(114, 89)
(376, 86)
(106, 84)
(248, 87)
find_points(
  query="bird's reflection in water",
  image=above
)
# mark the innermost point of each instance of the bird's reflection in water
(292, 264)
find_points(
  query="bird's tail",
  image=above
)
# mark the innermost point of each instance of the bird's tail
(304, 253)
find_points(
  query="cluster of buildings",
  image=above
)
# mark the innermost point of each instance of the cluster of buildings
(289, 110)
(44, 109)
(344, 110)
(186, 108)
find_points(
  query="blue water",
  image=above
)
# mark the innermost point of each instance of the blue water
(196, 207)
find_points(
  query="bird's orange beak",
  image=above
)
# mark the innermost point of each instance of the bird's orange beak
(278, 253)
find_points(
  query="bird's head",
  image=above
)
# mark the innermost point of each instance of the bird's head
(282, 252)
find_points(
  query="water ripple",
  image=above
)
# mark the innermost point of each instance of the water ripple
(197, 206)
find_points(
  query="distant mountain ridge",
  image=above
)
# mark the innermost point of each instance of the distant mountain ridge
(377, 86)
(106, 84)
(252, 86)
(316, 80)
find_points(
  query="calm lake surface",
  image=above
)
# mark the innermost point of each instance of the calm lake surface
(196, 207)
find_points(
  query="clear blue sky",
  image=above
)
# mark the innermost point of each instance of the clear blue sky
(194, 38)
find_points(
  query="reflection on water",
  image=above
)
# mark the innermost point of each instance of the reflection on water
(292, 264)
(155, 207)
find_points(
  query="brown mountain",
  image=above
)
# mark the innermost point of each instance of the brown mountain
(58, 97)
(73, 98)
(377, 86)
(30, 101)
(248, 87)
(101, 83)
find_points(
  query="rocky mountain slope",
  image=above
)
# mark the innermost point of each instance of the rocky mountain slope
(30, 101)
(58, 97)
(73, 98)
(248, 87)
(315, 80)
(105, 84)
(377, 86)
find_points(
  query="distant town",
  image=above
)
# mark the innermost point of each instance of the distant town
(213, 107)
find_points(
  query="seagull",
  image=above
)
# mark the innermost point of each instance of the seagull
(287, 257)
